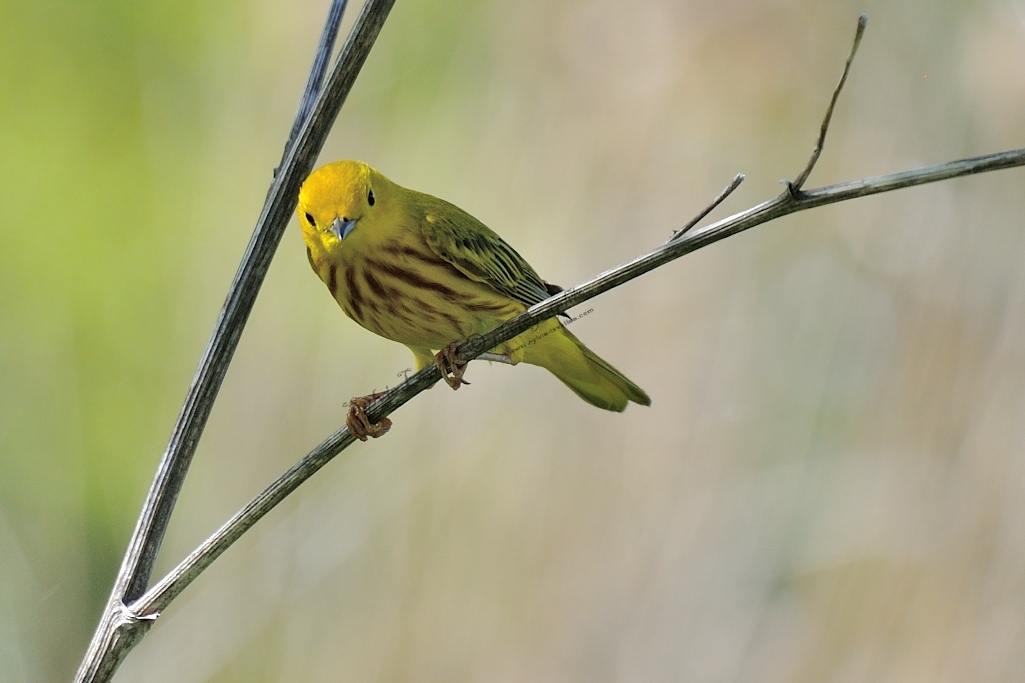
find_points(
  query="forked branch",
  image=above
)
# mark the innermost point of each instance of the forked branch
(131, 609)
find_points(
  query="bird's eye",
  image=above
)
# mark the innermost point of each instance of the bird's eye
(370, 197)
(310, 219)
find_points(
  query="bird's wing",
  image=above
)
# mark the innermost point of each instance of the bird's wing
(479, 253)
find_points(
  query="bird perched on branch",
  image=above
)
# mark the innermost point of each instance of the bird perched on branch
(420, 271)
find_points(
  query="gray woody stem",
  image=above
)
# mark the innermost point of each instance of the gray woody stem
(162, 593)
(120, 628)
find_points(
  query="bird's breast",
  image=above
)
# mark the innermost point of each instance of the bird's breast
(403, 291)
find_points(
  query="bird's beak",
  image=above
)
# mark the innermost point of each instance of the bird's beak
(341, 229)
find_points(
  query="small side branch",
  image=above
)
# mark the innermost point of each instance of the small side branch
(737, 180)
(795, 187)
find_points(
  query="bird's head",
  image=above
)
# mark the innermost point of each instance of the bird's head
(336, 197)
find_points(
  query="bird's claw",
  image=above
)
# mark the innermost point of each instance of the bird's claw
(359, 424)
(452, 368)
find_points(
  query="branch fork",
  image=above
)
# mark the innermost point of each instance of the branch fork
(133, 607)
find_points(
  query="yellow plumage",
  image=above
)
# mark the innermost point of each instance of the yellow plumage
(420, 271)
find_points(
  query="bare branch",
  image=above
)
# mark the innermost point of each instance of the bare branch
(119, 629)
(171, 586)
(795, 187)
(727, 191)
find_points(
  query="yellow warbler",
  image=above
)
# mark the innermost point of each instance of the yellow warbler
(420, 271)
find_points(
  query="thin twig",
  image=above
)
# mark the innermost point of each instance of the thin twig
(737, 180)
(795, 187)
(119, 628)
(163, 592)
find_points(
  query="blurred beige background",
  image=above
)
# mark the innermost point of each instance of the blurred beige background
(830, 484)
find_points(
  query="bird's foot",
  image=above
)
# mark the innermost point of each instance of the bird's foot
(359, 424)
(452, 369)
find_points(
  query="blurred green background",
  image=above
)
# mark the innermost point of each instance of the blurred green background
(830, 484)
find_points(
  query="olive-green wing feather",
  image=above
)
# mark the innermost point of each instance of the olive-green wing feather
(478, 252)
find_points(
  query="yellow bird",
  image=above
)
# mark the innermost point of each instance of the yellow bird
(420, 271)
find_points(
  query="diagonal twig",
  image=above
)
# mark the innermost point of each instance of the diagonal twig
(727, 191)
(795, 187)
(119, 628)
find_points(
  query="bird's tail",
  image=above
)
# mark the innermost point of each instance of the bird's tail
(579, 368)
